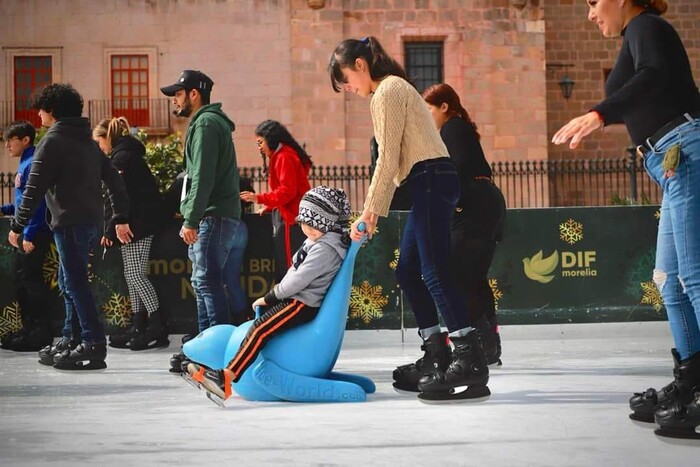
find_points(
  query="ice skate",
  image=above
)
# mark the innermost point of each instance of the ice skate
(47, 354)
(686, 381)
(490, 341)
(83, 357)
(150, 332)
(217, 384)
(30, 340)
(436, 354)
(468, 368)
(679, 420)
(178, 361)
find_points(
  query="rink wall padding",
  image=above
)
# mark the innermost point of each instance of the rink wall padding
(555, 265)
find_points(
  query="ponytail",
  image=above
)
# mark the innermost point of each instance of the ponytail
(379, 62)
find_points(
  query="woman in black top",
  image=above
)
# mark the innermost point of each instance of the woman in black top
(652, 91)
(477, 224)
(128, 157)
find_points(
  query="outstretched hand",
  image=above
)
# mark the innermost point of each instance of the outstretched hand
(577, 129)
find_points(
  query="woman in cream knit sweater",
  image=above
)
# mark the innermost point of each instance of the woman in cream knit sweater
(411, 151)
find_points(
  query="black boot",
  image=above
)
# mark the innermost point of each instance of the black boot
(436, 354)
(686, 375)
(83, 357)
(490, 341)
(30, 340)
(152, 334)
(47, 354)
(680, 420)
(122, 339)
(468, 368)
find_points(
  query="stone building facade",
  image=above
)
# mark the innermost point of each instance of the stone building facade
(268, 59)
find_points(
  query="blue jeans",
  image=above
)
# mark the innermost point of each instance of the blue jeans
(71, 323)
(237, 298)
(209, 255)
(73, 244)
(677, 270)
(423, 272)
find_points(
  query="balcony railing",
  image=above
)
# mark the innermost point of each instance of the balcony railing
(153, 114)
(525, 184)
(17, 110)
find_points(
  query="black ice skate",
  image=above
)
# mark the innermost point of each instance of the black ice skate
(468, 368)
(436, 354)
(122, 338)
(150, 332)
(179, 362)
(679, 420)
(686, 381)
(47, 354)
(83, 357)
(490, 341)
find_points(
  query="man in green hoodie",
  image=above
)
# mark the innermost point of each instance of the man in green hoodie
(210, 201)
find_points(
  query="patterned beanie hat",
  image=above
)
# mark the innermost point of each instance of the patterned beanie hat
(325, 209)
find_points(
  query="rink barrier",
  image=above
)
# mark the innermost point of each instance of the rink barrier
(555, 265)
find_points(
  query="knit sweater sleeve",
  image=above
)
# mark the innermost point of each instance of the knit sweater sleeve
(389, 107)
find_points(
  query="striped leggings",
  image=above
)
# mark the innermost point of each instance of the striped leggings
(285, 315)
(135, 256)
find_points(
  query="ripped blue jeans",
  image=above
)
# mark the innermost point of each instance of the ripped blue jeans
(677, 270)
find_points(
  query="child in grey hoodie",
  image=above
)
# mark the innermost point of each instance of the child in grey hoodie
(324, 215)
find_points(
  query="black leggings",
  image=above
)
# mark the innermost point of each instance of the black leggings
(471, 260)
(287, 239)
(285, 315)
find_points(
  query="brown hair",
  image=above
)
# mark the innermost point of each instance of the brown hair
(112, 129)
(657, 7)
(439, 94)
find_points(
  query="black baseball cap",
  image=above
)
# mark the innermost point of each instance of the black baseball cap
(190, 79)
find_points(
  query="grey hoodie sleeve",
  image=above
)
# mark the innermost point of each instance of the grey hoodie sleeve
(321, 259)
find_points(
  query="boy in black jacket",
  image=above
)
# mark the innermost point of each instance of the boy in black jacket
(68, 168)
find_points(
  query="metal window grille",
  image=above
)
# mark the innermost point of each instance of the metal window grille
(129, 83)
(31, 72)
(424, 63)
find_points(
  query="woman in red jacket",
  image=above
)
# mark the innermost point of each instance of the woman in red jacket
(288, 181)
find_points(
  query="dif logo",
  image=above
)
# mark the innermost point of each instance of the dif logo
(573, 264)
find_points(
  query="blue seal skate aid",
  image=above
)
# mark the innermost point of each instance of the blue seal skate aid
(297, 365)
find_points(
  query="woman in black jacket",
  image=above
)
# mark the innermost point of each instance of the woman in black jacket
(128, 157)
(477, 224)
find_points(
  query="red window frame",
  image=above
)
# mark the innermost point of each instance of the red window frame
(129, 88)
(30, 72)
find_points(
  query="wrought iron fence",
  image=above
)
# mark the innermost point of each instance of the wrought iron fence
(144, 113)
(525, 184)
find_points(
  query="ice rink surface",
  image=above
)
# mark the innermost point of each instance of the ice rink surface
(560, 399)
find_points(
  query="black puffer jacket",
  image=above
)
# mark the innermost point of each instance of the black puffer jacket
(128, 157)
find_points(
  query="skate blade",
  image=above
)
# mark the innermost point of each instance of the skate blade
(469, 395)
(155, 345)
(216, 399)
(189, 380)
(81, 366)
(642, 421)
(678, 436)
(405, 391)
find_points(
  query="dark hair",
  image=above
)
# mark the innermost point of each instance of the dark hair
(658, 7)
(62, 100)
(20, 129)
(275, 133)
(205, 96)
(439, 94)
(379, 62)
